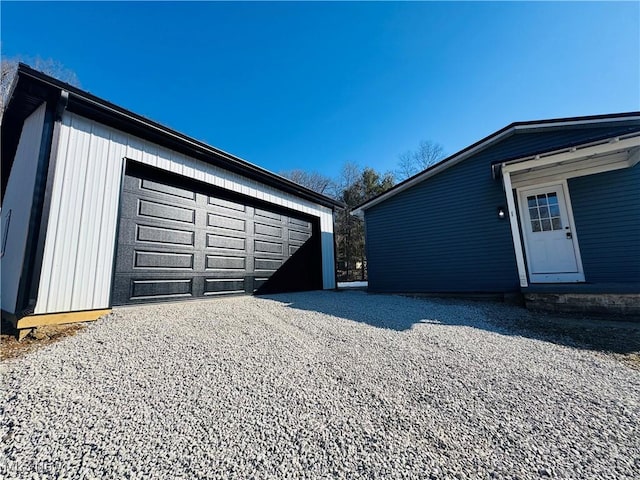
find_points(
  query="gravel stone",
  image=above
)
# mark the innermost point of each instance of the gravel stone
(317, 385)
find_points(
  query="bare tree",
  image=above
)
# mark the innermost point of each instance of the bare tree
(349, 175)
(412, 162)
(48, 66)
(312, 180)
(9, 68)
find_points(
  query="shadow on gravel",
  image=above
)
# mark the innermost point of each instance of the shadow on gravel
(381, 311)
(401, 313)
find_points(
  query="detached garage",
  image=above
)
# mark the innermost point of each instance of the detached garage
(102, 207)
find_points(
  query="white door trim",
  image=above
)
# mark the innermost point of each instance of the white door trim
(560, 277)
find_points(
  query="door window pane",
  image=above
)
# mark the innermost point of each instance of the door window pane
(544, 212)
(533, 213)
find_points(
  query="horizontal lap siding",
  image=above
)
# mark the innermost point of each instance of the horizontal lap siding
(443, 234)
(606, 208)
(78, 257)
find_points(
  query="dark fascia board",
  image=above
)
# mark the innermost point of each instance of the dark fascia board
(528, 126)
(592, 141)
(88, 105)
(25, 97)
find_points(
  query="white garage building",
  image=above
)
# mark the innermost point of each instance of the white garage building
(103, 207)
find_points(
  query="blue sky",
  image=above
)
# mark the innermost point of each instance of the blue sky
(314, 85)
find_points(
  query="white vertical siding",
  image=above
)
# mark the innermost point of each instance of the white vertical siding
(81, 236)
(17, 202)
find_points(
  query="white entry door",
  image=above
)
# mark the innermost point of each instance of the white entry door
(550, 242)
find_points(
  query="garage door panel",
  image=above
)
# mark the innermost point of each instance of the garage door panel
(267, 230)
(300, 237)
(218, 204)
(262, 246)
(220, 262)
(293, 249)
(161, 288)
(175, 243)
(217, 286)
(266, 214)
(167, 190)
(267, 264)
(224, 222)
(136, 256)
(165, 211)
(163, 260)
(149, 212)
(300, 224)
(164, 235)
(226, 242)
(137, 231)
(143, 290)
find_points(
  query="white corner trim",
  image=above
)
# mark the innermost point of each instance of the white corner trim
(515, 230)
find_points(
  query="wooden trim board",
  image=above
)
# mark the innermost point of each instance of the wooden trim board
(32, 321)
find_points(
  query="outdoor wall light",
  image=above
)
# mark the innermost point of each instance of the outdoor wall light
(502, 213)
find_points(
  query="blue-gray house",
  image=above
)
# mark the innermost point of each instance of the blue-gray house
(543, 207)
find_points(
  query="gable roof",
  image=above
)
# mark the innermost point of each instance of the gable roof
(31, 88)
(488, 141)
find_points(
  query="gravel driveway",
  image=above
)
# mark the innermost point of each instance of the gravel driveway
(317, 385)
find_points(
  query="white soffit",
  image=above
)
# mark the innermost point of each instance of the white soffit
(612, 154)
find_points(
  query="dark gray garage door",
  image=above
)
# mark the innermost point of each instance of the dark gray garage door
(180, 243)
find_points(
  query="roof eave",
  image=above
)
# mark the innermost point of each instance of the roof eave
(89, 104)
(605, 145)
(485, 143)
(434, 169)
